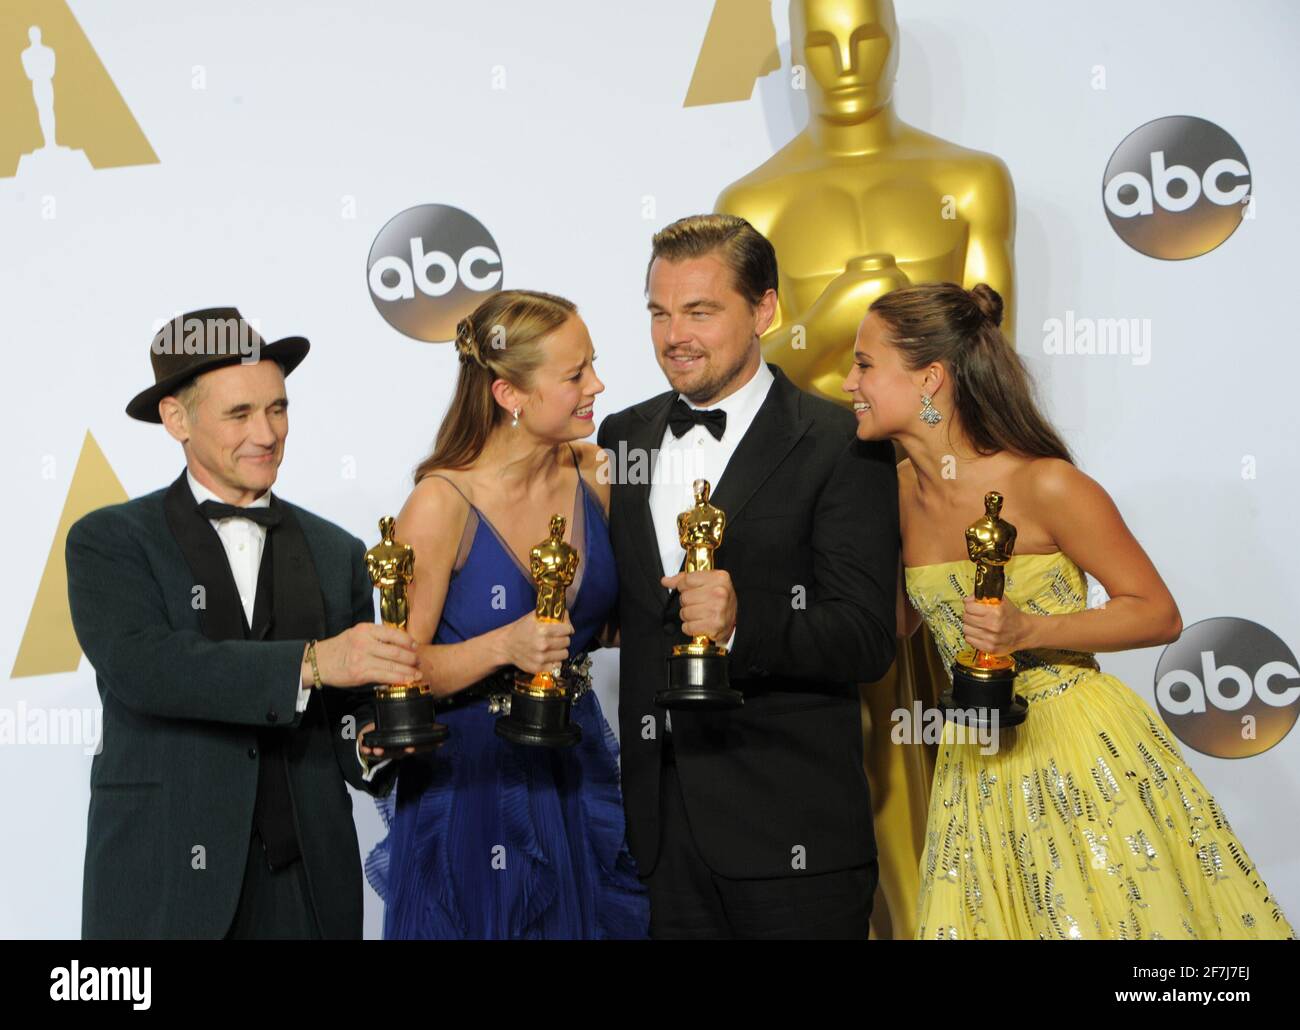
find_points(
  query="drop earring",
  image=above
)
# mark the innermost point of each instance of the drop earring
(515, 423)
(929, 413)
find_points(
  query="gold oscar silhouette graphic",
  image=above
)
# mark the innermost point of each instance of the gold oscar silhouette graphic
(61, 115)
(697, 672)
(739, 48)
(404, 712)
(983, 684)
(540, 704)
(859, 188)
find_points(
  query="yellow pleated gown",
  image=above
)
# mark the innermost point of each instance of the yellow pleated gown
(1086, 822)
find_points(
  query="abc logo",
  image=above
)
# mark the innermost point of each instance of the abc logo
(1176, 187)
(1228, 688)
(429, 267)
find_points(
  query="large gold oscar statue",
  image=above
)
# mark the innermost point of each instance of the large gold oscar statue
(857, 204)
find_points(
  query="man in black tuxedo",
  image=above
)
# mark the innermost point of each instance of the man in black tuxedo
(224, 625)
(754, 821)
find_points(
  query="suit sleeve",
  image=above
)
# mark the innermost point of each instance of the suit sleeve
(606, 439)
(605, 436)
(349, 710)
(122, 624)
(845, 633)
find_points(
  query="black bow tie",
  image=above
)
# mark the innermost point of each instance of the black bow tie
(683, 417)
(262, 515)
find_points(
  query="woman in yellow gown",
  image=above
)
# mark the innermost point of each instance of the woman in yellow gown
(1085, 821)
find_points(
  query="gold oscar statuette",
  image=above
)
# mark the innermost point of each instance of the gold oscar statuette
(697, 671)
(540, 703)
(404, 712)
(983, 684)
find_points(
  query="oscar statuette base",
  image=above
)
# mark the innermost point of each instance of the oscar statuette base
(538, 720)
(697, 679)
(404, 717)
(981, 696)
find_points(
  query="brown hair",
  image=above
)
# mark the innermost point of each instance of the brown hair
(498, 340)
(745, 250)
(991, 388)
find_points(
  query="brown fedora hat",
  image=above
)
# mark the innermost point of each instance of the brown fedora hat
(200, 341)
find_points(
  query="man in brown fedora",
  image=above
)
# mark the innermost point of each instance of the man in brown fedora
(228, 629)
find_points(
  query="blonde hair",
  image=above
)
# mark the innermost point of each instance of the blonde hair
(498, 340)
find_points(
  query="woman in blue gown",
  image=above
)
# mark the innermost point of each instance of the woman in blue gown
(486, 838)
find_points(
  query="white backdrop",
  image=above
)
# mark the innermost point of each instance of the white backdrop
(317, 122)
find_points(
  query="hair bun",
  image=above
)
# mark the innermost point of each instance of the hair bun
(989, 301)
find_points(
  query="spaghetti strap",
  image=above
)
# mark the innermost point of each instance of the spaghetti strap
(584, 487)
(589, 491)
(453, 486)
(577, 467)
(468, 533)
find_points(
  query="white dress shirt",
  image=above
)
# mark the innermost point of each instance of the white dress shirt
(697, 455)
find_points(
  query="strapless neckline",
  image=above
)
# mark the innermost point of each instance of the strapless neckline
(967, 561)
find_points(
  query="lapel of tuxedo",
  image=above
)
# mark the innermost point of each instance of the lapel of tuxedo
(263, 616)
(771, 436)
(298, 611)
(644, 441)
(221, 614)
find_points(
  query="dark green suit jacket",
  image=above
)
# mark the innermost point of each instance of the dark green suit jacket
(173, 788)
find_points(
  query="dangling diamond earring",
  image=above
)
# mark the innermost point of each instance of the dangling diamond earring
(515, 424)
(929, 413)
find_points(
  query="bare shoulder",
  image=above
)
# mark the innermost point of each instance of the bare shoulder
(591, 461)
(1055, 480)
(435, 509)
(1061, 493)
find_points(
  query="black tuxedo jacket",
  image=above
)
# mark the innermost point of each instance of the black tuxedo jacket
(776, 787)
(172, 791)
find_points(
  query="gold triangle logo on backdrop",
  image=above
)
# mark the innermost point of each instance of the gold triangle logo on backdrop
(59, 108)
(739, 48)
(49, 645)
